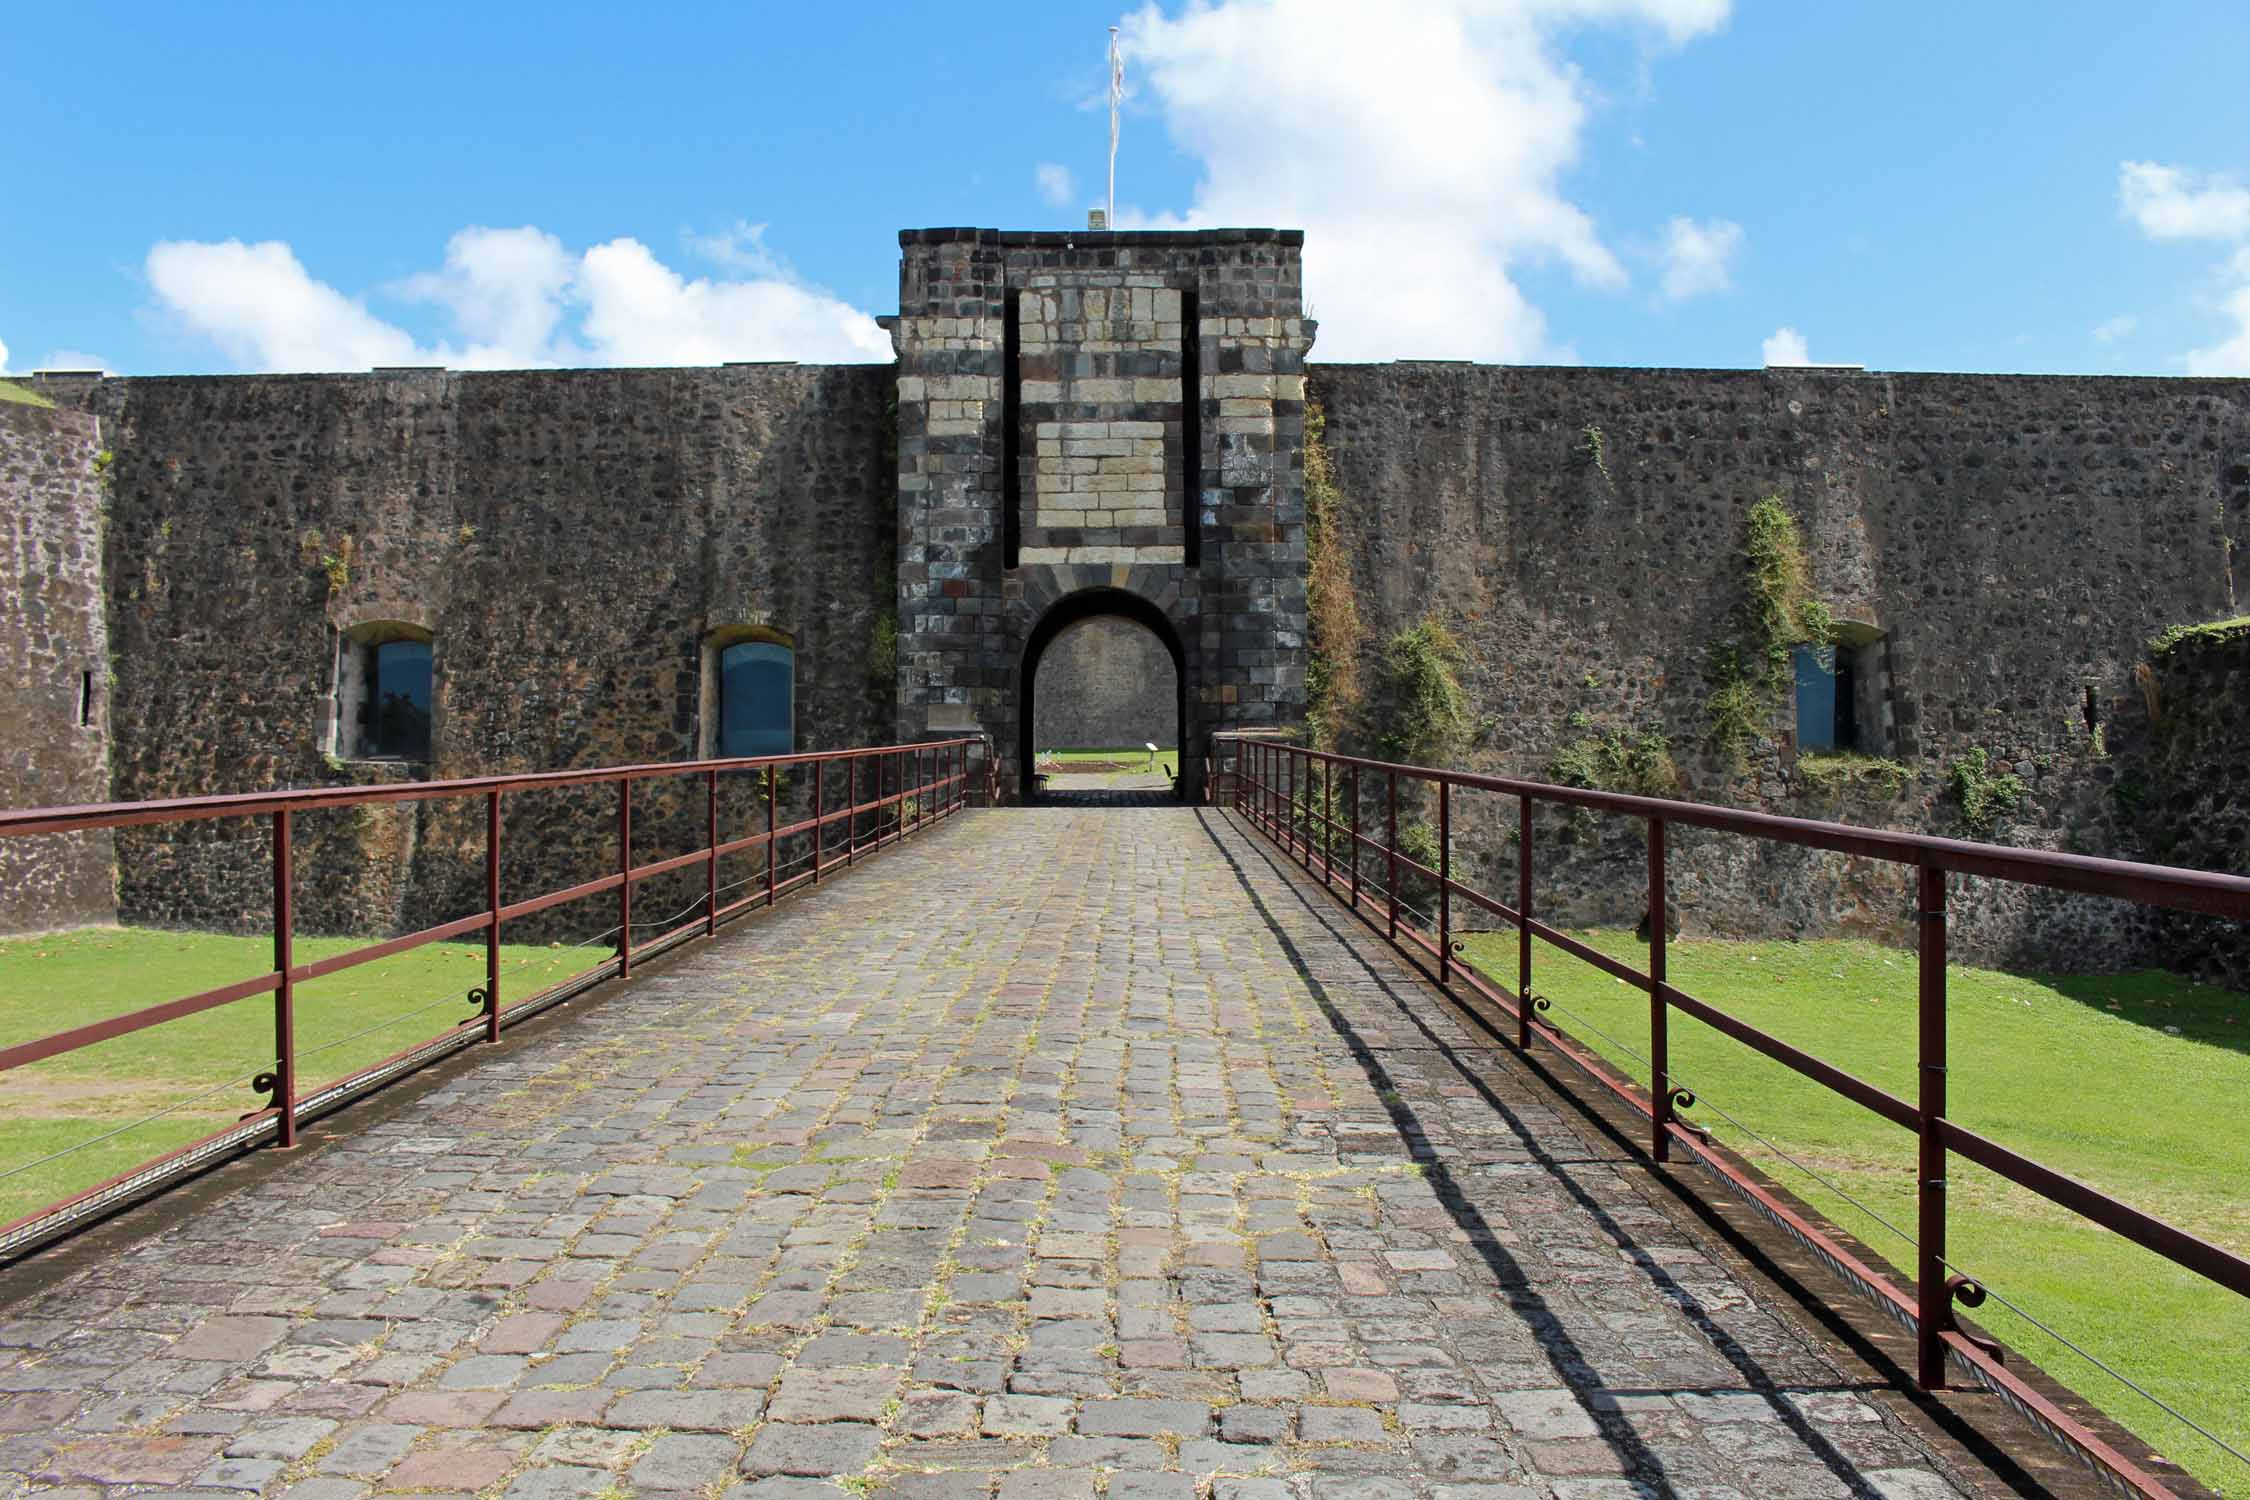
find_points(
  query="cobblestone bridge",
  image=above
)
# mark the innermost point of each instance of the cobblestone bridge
(1068, 1152)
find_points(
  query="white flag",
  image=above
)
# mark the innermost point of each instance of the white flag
(1116, 97)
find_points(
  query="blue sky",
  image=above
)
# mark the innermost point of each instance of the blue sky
(1991, 186)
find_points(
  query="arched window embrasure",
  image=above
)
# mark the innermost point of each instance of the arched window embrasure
(749, 692)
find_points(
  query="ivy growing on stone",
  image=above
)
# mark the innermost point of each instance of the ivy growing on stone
(1428, 714)
(1747, 675)
(1982, 795)
(1331, 608)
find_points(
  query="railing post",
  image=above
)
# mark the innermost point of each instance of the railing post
(1445, 882)
(773, 785)
(711, 853)
(285, 993)
(625, 877)
(492, 904)
(851, 819)
(1289, 757)
(1390, 855)
(1933, 1304)
(1355, 839)
(1659, 1016)
(1327, 822)
(818, 767)
(1523, 923)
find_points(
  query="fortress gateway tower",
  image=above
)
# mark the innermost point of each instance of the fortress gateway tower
(1100, 424)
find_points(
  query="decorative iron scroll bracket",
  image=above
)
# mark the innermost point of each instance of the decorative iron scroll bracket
(1680, 1099)
(479, 998)
(1969, 1293)
(268, 1084)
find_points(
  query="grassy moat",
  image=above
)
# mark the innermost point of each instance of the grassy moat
(2133, 1083)
(344, 1022)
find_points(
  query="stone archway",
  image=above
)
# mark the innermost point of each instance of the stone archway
(1119, 621)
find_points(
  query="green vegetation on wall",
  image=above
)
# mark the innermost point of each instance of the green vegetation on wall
(1748, 675)
(1844, 770)
(2237, 628)
(1982, 795)
(1331, 609)
(22, 395)
(1640, 764)
(1427, 713)
(882, 650)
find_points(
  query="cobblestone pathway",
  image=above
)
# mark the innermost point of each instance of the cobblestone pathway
(1067, 1153)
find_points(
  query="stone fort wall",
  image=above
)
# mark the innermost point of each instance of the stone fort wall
(568, 538)
(2016, 542)
(54, 664)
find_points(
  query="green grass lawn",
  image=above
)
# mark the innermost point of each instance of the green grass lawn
(1167, 761)
(344, 1022)
(2135, 1083)
(10, 391)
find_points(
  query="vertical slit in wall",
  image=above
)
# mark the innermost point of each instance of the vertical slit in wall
(1011, 431)
(85, 699)
(1191, 427)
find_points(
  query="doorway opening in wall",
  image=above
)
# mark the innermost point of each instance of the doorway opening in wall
(1103, 701)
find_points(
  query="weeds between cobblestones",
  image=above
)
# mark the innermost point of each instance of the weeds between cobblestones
(1034, 1164)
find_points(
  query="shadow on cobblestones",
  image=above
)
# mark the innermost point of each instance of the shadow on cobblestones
(1600, 1403)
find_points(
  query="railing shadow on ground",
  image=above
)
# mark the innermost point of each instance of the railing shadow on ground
(1571, 1368)
(1289, 794)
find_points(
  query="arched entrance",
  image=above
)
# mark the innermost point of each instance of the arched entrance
(1077, 623)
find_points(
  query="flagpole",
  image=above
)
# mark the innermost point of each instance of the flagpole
(1116, 91)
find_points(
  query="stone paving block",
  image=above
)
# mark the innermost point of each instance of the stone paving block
(1137, 1418)
(834, 1448)
(679, 1461)
(1048, 1484)
(283, 1438)
(687, 1411)
(369, 1447)
(240, 1473)
(455, 1469)
(834, 1395)
(1026, 1416)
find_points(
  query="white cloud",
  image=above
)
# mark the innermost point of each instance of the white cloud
(1786, 346)
(2231, 354)
(2177, 203)
(640, 312)
(3, 359)
(1421, 148)
(1698, 259)
(1057, 188)
(505, 290)
(2110, 330)
(2180, 203)
(512, 298)
(258, 304)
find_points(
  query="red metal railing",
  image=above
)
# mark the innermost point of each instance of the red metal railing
(1289, 793)
(888, 793)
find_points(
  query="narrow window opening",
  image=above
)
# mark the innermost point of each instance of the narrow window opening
(2092, 710)
(85, 699)
(395, 722)
(1191, 428)
(749, 693)
(385, 681)
(1843, 693)
(1011, 431)
(1817, 698)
